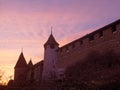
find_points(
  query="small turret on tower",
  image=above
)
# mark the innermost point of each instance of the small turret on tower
(30, 64)
(30, 73)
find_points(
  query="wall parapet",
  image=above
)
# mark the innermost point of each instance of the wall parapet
(103, 33)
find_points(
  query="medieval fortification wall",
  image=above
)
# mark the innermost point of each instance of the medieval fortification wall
(101, 40)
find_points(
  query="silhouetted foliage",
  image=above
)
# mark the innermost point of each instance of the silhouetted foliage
(10, 83)
(97, 68)
(2, 87)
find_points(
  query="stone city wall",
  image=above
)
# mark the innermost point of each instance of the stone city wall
(101, 40)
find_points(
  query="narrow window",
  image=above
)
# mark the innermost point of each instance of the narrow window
(109, 65)
(73, 45)
(100, 33)
(60, 50)
(67, 50)
(114, 28)
(52, 46)
(81, 42)
(91, 38)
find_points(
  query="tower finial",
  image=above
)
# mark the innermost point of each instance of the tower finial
(51, 29)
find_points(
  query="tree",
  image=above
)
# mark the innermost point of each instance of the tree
(1, 77)
(4, 79)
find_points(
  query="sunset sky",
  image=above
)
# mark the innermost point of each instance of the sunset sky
(27, 24)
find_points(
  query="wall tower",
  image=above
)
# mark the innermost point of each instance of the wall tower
(20, 70)
(50, 59)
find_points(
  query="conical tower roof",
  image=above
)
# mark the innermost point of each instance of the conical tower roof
(30, 64)
(51, 40)
(21, 61)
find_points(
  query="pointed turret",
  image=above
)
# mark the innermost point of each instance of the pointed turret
(30, 64)
(21, 61)
(20, 71)
(51, 41)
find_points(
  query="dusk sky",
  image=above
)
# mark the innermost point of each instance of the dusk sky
(27, 24)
